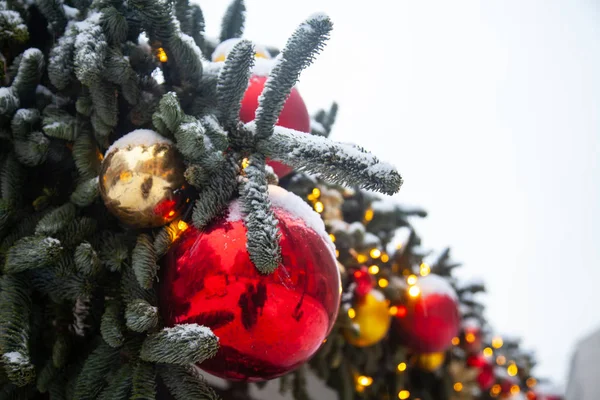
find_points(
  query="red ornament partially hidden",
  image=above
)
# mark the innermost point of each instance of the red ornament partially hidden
(472, 340)
(293, 116)
(267, 324)
(363, 280)
(431, 319)
(486, 377)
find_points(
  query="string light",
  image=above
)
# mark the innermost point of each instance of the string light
(361, 258)
(531, 395)
(514, 389)
(531, 382)
(402, 367)
(393, 310)
(455, 341)
(373, 269)
(458, 386)
(319, 207)
(351, 313)
(369, 214)
(414, 291)
(162, 55)
(411, 280)
(497, 342)
(424, 269)
(401, 311)
(375, 253)
(316, 192)
(385, 258)
(512, 369)
(500, 360)
(495, 390)
(171, 213)
(364, 380)
(403, 394)
(332, 237)
(383, 283)
(245, 163)
(182, 226)
(488, 352)
(470, 337)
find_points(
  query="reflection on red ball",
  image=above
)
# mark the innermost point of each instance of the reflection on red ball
(267, 324)
(432, 319)
(293, 116)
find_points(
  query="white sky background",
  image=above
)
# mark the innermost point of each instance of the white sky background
(490, 111)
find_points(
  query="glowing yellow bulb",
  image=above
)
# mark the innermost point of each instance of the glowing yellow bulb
(162, 55)
(403, 394)
(402, 367)
(332, 237)
(411, 280)
(496, 389)
(351, 313)
(369, 214)
(182, 226)
(470, 337)
(414, 291)
(512, 370)
(531, 382)
(364, 380)
(361, 258)
(458, 386)
(385, 258)
(488, 352)
(373, 269)
(424, 269)
(316, 192)
(375, 253)
(319, 207)
(500, 360)
(171, 213)
(337, 253)
(455, 341)
(497, 342)
(393, 310)
(514, 389)
(383, 282)
(245, 163)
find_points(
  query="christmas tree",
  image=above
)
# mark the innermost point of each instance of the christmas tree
(168, 207)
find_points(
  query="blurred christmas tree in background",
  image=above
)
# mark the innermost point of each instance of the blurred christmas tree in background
(168, 205)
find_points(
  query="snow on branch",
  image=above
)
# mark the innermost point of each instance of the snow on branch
(335, 162)
(299, 52)
(182, 344)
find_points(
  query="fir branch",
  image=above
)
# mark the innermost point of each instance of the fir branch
(263, 234)
(114, 24)
(335, 162)
(85, 155)
(60, 64)
(56, 220)
(104, 98)
(12, 179)
(215, 132)
(141, 316)
(84, 104)
(32, 151)
(167, 118)
(182, 344)
(144, 381)
(299, 52)
(31, 252)
(45, 377)
(233, 21)
(24, 122)
(144, 261)
(9, 101)
(60, 350)
(77, 231)
(12, 27)
(15, 297)
(183, 14)
(59, 123)
(197, 176)
(156, 17)
(7, 216)
(86, 192)
(90, 51)
(132, 291)
(30, 72)
(163, 240)
(92, 377)
(191, 142)
(101, 129)
(188, 57)
(119, 387)
(233, 82)
(54, 14)
(86, 259)
(113, 251)
(197, 25)
(59, 285)
(186, 383)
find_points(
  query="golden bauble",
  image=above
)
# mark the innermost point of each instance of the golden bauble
(431, 361)
(141, 180)
(372, 317)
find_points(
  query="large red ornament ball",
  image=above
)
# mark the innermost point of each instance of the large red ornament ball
(430, 320)
(267, 324)
(293, 116)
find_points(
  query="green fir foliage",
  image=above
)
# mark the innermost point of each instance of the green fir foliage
(182, 345)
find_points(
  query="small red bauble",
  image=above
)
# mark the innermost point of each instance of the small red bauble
(363, 280)
(267, 324)
(472, 340)
(431, 319)
(486, 377)
(293, 116)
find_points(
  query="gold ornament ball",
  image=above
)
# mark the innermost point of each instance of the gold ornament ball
(431, 361)
(141, 180)
(372, 318)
